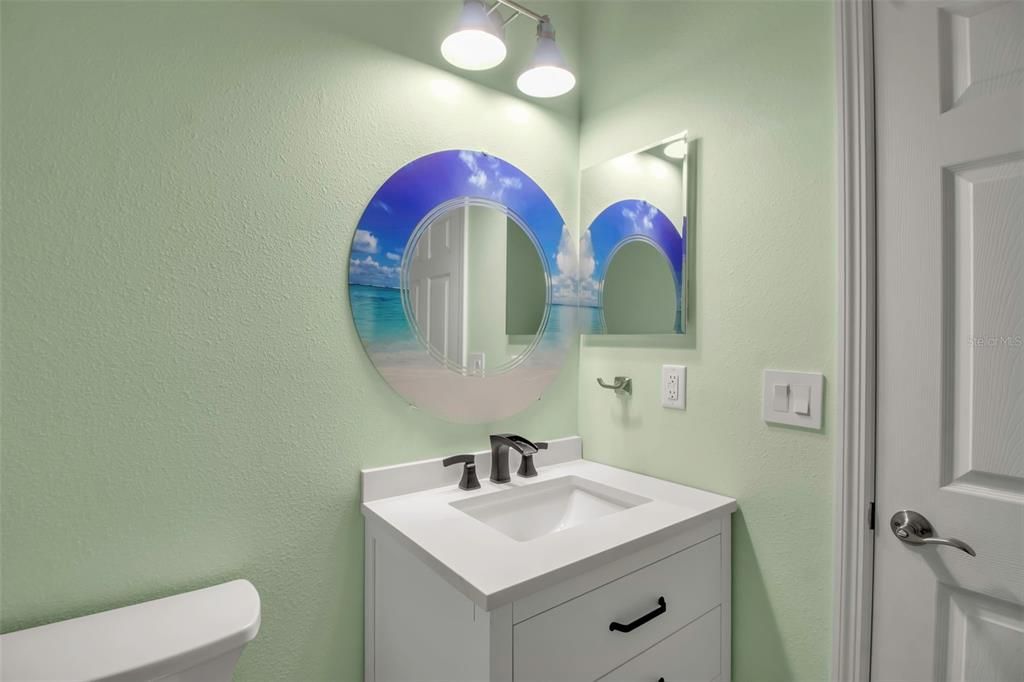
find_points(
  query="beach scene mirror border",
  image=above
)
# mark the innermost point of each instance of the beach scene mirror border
(394, 214)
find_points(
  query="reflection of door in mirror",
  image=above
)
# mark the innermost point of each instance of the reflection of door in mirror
(477, 289)
(436, 286)
(639, 291)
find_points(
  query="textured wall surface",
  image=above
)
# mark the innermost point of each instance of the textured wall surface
(753, 83)
(185, 399)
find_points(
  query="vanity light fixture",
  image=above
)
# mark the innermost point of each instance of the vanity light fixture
(675, 149)
(478, 43)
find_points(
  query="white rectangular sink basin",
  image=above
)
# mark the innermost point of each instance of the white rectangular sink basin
(532, 511)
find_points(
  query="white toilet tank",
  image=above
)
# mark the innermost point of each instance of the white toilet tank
(191, 637)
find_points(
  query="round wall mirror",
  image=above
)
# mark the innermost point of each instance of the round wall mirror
(462, 283)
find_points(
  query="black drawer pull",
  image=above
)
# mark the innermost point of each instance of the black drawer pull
(629, 627)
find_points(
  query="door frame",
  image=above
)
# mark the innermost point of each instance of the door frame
(855, 376)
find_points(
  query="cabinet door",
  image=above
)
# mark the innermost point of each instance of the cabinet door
(423, 629)
(690, 655)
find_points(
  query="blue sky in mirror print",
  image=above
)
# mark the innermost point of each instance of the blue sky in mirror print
(414, 190)
(622, 221)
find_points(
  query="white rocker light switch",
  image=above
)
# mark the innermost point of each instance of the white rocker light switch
(780, 397)
(802, 400)
(793, 398)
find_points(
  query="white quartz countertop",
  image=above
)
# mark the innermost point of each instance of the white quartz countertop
(493, 569)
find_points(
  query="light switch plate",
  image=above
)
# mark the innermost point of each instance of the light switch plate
(673, 387)
(805, 395)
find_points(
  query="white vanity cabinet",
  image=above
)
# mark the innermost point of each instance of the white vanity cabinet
(585, 572)
(419, 627)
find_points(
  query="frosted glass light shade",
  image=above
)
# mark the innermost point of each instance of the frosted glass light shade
(546, 81)
(548, 75)
(477, 43)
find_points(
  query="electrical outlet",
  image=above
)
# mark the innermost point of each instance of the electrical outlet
(477, 363)
(673, 387)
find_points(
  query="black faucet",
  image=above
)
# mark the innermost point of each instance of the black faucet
(500, 444)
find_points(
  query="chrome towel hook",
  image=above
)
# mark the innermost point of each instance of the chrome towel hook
(621, 385)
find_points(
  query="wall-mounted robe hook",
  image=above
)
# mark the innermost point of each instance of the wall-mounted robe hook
(621, 385)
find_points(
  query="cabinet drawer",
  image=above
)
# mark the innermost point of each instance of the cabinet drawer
(694, 654)
(573, 641)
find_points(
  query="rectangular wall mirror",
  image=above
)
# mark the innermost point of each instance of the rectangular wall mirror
(633, 248)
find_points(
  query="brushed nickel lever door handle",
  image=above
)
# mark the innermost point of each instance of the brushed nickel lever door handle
(914, 529)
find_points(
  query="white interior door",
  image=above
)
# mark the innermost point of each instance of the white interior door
(950, 141)
(436, 285)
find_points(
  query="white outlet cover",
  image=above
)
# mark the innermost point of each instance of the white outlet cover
(477, 363)
(798, 384)
(676, 401)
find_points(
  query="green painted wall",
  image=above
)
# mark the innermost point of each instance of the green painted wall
(753, 82)
(639, 293)
(525, 284)
(184, 396)
(185, 399)
(638, 175)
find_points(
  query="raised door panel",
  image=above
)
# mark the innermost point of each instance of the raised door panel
(986, 374)
(423, 629)
(984, 637)
(436, 286)
(980, 50)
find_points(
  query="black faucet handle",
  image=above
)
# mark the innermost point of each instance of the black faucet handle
(526, 468)
(469, 479)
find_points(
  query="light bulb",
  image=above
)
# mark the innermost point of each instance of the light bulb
(473, 50)
(546, 81)
(476, 44)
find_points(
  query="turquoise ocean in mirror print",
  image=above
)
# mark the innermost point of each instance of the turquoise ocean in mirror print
(384, 329)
